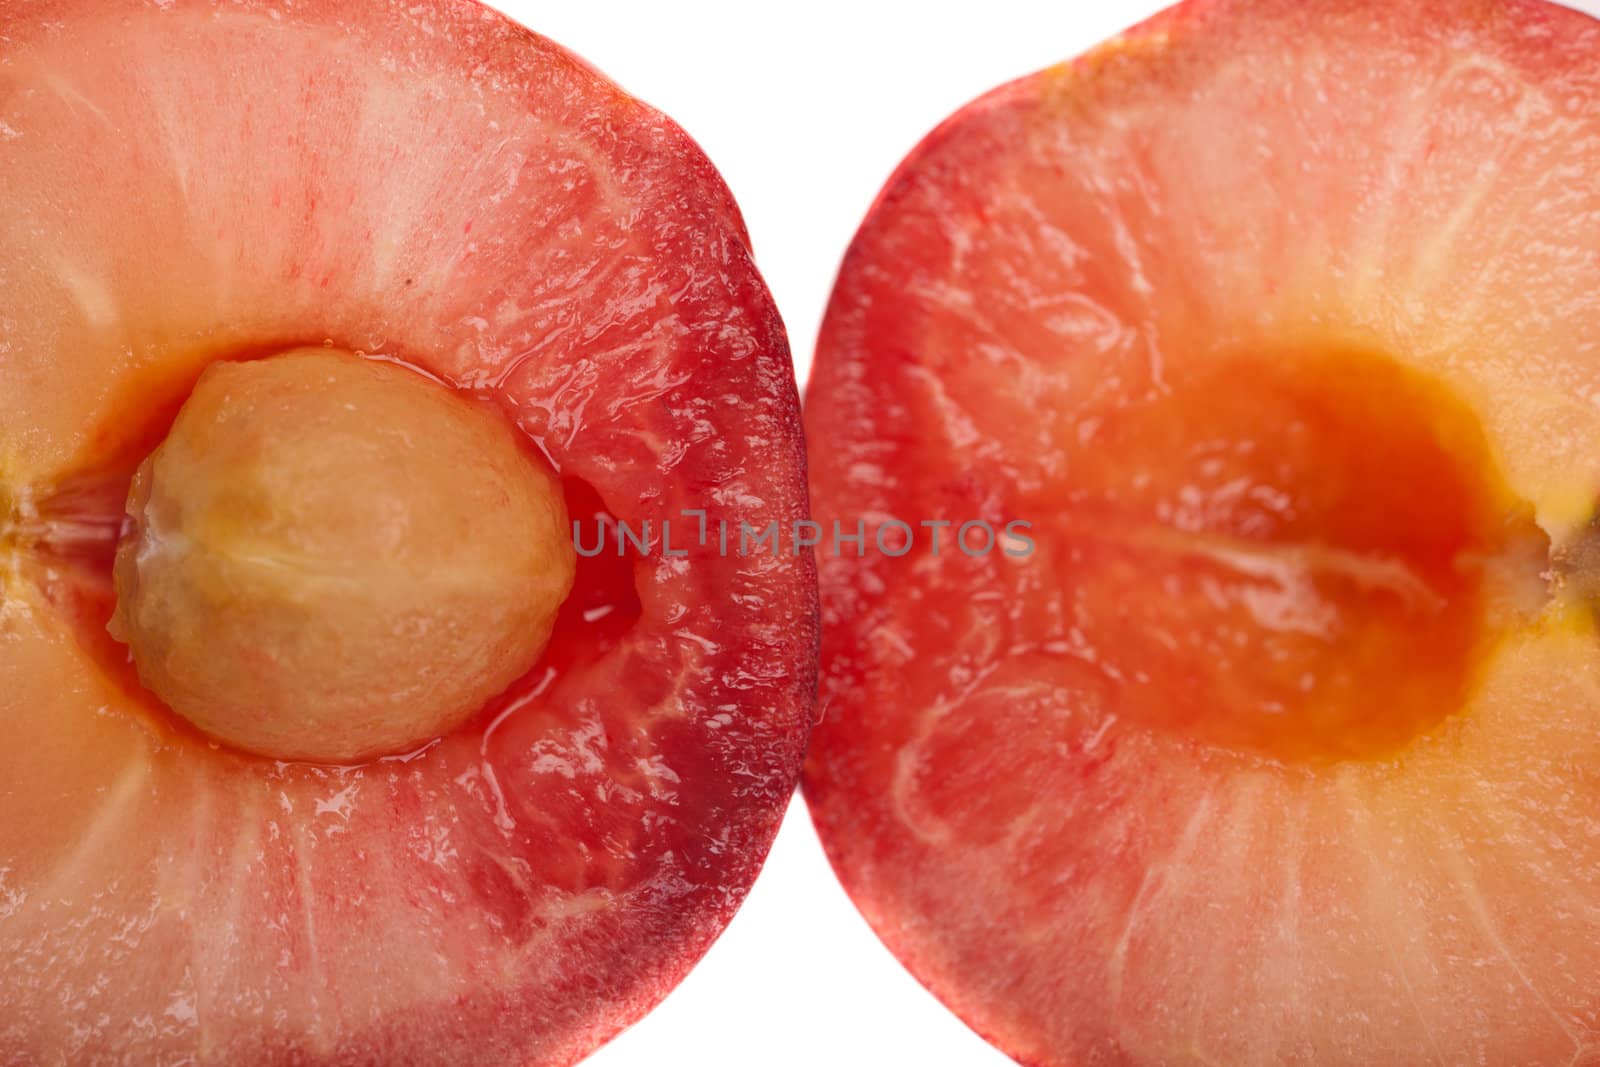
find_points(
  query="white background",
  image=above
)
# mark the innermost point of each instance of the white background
(805, 108)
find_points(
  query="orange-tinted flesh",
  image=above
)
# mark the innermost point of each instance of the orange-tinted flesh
(1264, 543)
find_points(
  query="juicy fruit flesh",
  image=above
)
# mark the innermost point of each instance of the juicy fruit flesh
(332, 560)
(1266, 316)
(193, 182)
(1274, 537)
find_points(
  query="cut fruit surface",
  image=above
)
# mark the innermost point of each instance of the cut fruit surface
(423, 184)
(1276, 739)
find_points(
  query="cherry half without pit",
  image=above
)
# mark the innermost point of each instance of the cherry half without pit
(1277, 320)
(320, 324)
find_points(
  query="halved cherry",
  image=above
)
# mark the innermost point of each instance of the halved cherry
(1274, 736)
(373, 297)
